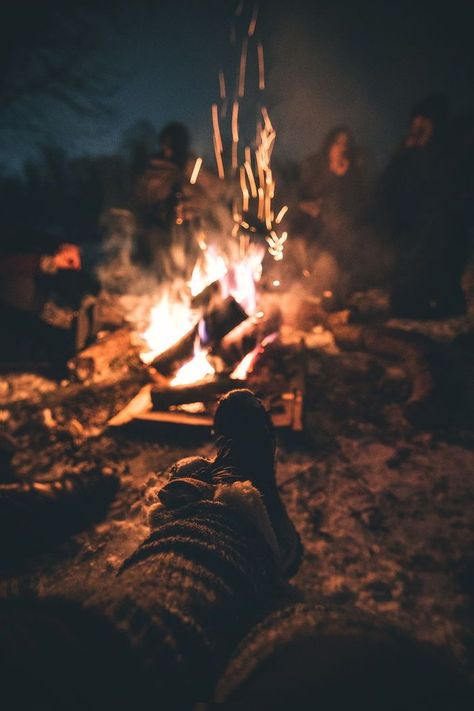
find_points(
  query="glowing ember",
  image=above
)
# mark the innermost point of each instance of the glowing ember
(261, 67)
(196, 169)
(281, 214)
(248, 361)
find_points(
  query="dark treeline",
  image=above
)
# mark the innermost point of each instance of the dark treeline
(66, 195)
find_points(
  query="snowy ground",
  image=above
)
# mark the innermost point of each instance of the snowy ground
(385, 508)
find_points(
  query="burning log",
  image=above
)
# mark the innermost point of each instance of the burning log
(99, 359)
(247, 335)
(200, 391)
(206, 295)
(220, 320)
(169, 361)
(210, 330)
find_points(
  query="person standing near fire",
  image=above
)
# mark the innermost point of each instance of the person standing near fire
(422, 195)
(171, 209)
(158, 192)
(332, 210)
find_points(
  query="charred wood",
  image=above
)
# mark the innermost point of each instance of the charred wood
(201, 391)
(206, 296)
(169, 361)
(220, 320)
(246, 336)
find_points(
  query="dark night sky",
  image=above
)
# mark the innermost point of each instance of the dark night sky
(362, 63)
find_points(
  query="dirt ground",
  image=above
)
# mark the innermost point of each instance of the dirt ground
(384, 506)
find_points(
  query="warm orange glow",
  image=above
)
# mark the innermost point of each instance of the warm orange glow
(196, 369)
(266, 119)
(261, 174)
(253, 21)
(209, 268)
(196, 169)
(261, 67)
(268, 209)
(275, 244)
(240, 280)
(219, 163)
(222, 92)
(245, 192)
(248, 361)
(235, 121)
(235, 160)
(281, 214)
(243, 67)
(261, 196)
(169, 319)
(253, 187)
(216, 129)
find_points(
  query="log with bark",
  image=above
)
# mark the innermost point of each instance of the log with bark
(220, 320)
(247, 335)
(201, 391)
(417, 353)
(102, 357)
(170, 361)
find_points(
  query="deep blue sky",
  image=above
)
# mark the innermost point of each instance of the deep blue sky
(362, 63)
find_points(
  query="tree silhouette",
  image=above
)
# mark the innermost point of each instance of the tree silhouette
(55, 53)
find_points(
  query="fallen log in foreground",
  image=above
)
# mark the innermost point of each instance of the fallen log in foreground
(414, 350)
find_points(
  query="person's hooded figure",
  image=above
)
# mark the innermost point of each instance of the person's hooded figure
(419, 197)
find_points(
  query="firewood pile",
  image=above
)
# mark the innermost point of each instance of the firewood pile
(230, 337)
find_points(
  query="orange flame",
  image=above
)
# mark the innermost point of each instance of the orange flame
(169, 319)
(247, 363)
(196, 369)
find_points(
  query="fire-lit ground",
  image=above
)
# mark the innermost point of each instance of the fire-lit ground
(385, 508)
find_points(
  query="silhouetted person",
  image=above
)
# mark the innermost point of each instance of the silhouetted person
(158, 193)
(42, 287)
(420, 196)
(334, 197)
